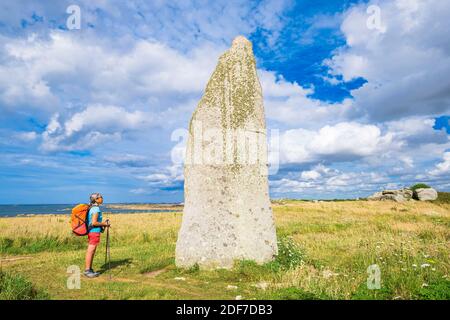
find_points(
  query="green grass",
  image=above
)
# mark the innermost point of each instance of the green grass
(443, 198)
(439, 290)
(325, 249)
(22, 245)
(16, 287)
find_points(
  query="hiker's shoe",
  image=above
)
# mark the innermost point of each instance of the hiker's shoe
(91, 274)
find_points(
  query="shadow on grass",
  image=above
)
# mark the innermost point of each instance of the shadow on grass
(114, 264)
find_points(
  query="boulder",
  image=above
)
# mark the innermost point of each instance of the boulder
(425, 194)
(376, 196)
(394, 195)
(227, 213)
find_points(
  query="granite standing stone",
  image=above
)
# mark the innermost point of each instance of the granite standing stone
(227, 213)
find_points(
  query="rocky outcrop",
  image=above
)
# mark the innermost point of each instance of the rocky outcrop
(227, 213)
(425, 194)
(405, 194)
(394, 195)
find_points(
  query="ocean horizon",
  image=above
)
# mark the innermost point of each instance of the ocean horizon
(14, 210)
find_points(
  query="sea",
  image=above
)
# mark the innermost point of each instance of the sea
(14, 210)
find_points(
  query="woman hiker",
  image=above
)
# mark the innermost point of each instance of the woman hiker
(96, 226)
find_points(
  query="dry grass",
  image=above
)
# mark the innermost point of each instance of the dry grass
(339, 240)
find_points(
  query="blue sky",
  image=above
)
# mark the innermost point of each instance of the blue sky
(360, 102)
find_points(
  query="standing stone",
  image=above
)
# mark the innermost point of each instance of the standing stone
(227, 214)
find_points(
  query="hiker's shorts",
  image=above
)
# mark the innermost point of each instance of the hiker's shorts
(94, 238)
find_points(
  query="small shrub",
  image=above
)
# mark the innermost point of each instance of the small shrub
(293, 293)
(420, 186)
(250, 270)
(289, 255)
(194, 269)
(436, 291)
(16, 287)
(363, 293)
(5, 244)
(443, 198)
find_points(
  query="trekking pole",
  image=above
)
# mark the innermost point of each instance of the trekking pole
(108, 253)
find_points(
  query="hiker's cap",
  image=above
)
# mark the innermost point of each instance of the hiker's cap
(95, 196)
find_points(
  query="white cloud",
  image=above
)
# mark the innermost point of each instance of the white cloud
(290, 104)
(37, 72)
(310, 175)
(442, 167)
(343, 141)
(157, 177)
(105, 118)
(94, 125)
(317, 172)
(406, 63)
(417, 131)
(323, 181)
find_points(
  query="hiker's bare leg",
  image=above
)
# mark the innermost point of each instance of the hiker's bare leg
(90, 256)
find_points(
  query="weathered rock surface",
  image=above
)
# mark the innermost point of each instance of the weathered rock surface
(227, 213)
(394, 195)
(425, 194)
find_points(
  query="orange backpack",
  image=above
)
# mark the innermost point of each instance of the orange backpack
(79, 219)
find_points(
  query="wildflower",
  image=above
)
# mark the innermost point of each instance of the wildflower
(328, 274)
(424, 285)
(425, 265)
(261, 285)
(414, 265)
(238, 298)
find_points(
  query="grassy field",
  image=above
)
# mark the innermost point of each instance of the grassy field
(325, 250)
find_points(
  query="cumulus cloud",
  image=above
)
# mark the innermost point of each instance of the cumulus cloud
(341, 142)
(442, 167)
(291, 104)
(315, 173)
(96, 124)
(168, 178)
(405, 62)
(63, 65)
(322, 181)
(416, 131)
